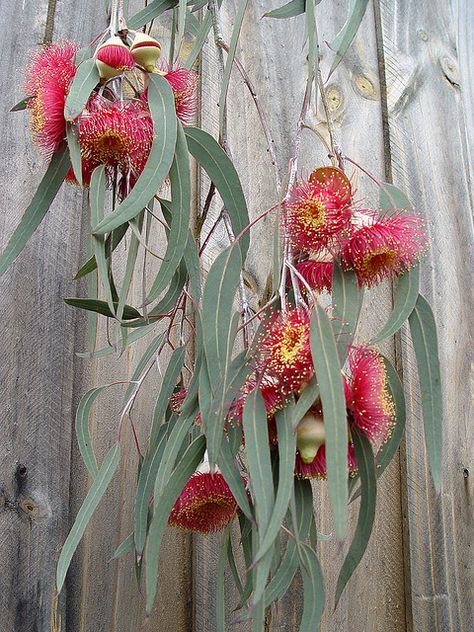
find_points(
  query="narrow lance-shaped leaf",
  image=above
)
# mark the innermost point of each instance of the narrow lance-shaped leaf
(74, 152)
(306, 399)
(21, 105)
(124, 547)
(85, 80)
(144, 360)
(94, 495)
(289, 10)
(39, 205)
(82, 428)
(97, 200)
(149, 13)
(326, 364)
(345, 36)
(286, 466)
(219, 292)
(230, 62)
(408, 288)
(162, 509)
(168, 384)
(111, 244)
(313, 589)
(210, 155)
(200, 40)
(233, 479)
(101, 307)
(162, 109)
(425, 342)
(144, 491)
(347, 302)
(260, 477)
(365, 521)
(180, 209)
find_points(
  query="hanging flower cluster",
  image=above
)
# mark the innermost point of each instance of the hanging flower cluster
(115, 128)
(322, 225)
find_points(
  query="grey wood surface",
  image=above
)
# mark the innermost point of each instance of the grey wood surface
(402, 106)
(427, 132)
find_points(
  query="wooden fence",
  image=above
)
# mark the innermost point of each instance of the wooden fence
(402, 101)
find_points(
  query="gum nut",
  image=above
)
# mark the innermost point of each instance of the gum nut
(310, 436)
(145, 50)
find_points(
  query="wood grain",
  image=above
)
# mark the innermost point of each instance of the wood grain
(427, 142)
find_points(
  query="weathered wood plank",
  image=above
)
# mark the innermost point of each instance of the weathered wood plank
(427, 140)
(37, 346)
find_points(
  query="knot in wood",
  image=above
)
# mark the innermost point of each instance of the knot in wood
(450, 68)
(365, 87)
(334, 97)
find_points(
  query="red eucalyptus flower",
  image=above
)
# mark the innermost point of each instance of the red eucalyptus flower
(284, 351)
(183, 82)
(48, 78)
(318, 210)
(116, 133)
(383, 247)
(317, 467)
(317, 274)
(368, 400)
(205, 505)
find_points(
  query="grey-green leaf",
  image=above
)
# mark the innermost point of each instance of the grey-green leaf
(94, 495)
(328, 372)
(221, 171)
(365, 521)
(289, 10)
(149, 13)
(85, 80)
(345, 36)
(82, 428)
(162, 508)
(162, 109)
(74, 152)
(347, 301)
(425, 342)
(21, 105)
(39, 205)
(180, 210)
(313, 589)
(101, 307)
(405, 298)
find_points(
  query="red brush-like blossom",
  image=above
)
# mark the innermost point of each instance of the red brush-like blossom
(317, 274)
(183, 82)
(317, 210)
(177, 399)
(384, 247)
(317, 468)
(48, 77)
(88, 167)
(205, 505)
(118, 133)
(368, 400)
(284, 351)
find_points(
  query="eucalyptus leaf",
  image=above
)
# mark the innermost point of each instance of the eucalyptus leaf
(365, 521)
(200, 40)
(406, 296)
(162, 508)
(124, 547)
(286, 465)
(39, 205)
(74, 152)
(94, 495)
(347, 302)
(425, 343)
(169, 381)
(221, 171)
(111, 244)
(306, 399)
(289, 10)
(150, 351)
(85, 80)
(162, 109)
(146, 482)
(313, 589)
(101, 307)
(21, 105)
(153, 10)
(180, 210)
(82, 428)
(326, 364)
(345, 36)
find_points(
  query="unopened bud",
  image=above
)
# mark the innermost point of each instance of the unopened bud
(310, 436)
(145, 50)
(113, 58)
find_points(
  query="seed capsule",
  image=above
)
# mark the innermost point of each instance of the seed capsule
(145, 51)
(310, 436)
